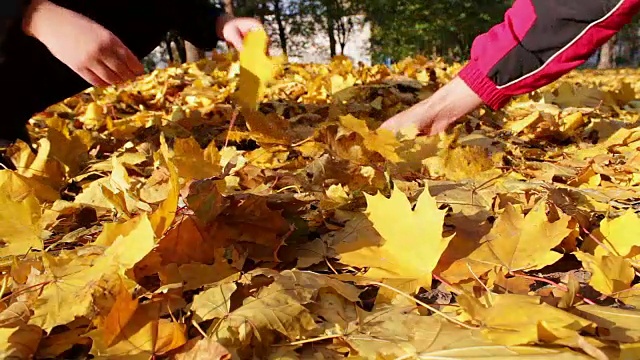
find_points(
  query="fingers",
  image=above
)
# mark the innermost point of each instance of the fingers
(115, 66)
(236, 29)
(89, 76)
(130, 60)
(104, 71)
(121, 62)
(234, 37)
(115, 70)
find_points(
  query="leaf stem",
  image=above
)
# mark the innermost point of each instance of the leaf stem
(558, 286)
(231, 123)
(195, 324)
(448, 284)
(28, 288)
(436, 311)
(600, 243)
(5, 280)
(306, 341)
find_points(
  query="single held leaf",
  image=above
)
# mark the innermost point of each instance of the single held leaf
(256, 69)
(381, 141)
(413, 241)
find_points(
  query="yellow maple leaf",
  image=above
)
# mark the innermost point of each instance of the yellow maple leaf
(610, 274)
(620, 235)
(381, 141)
(260, 316)
(413, 241)
(18, 339)
(164, 215)
(621, 325)
(194, 163)
(213, 303)
(256, 69)
(393, 333)
(511, 319)
(516, 242)
(73, 282)
(20, 213)
(143, 334)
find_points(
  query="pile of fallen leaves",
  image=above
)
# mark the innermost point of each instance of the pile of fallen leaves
(205, 212)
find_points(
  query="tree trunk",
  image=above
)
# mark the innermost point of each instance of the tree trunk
(228, 6)
(633, 50)
(180, 49)
(168, 42)
(343, 28)
(192, 52)
(332, 35)
(607, 60)
(282, 32)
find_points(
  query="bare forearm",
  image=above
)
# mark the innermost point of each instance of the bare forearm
(34, 21)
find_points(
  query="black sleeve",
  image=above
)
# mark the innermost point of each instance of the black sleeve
(11, 12)
(195, 20)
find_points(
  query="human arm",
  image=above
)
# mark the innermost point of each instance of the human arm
(203, 24)
(537, 43)
(85, 46)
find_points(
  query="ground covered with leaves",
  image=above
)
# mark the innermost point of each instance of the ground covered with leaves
(157, 221)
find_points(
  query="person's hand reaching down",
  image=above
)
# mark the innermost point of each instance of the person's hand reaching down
(233, 30)
(438, 112)
(85, 46)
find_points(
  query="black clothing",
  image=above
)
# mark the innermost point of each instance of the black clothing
(34, 79)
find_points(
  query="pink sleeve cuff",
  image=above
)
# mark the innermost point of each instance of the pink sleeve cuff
(483, 86)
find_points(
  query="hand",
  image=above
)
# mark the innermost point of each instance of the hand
(85, 46)
(438, 112)
(233, 30)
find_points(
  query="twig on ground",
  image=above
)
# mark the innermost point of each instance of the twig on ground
(233, 121)
(558, 286)
(436, 311)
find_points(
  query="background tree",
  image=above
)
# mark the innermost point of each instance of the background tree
(445, 28)
(335, 18)
(623, 48)
(606, 58)
(399, 28)
(277, 15)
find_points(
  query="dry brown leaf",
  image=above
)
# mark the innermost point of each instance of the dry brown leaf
(203, 349)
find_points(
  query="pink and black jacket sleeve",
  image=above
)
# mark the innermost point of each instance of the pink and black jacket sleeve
(538, 42)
